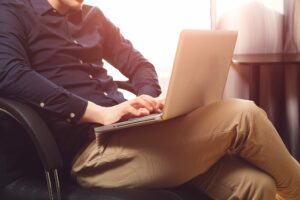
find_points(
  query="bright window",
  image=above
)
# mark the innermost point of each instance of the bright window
(153, 26)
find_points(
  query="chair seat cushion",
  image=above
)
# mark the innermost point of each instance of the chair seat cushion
(33, 188)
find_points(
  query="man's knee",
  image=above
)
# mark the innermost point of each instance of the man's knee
(232, 178)
(240, 108)
(266, 184)
(255, 185)
(242, 105)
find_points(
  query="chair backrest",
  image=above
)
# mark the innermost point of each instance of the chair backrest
(17, 154)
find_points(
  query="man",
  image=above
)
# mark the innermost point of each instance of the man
(51, 56)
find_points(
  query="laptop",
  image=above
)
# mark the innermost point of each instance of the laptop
(199, 75)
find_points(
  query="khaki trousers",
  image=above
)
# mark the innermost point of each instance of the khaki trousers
(228, 149)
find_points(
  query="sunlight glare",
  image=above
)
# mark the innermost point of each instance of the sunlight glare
(153, 26)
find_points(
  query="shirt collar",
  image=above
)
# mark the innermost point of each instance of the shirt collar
(76, 16)
(41, 6)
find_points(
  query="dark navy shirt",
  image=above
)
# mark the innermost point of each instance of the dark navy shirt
(54, 63)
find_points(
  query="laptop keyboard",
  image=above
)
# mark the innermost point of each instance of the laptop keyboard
(144, 117)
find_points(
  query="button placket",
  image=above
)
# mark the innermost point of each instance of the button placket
(75, 42)
(72, 115)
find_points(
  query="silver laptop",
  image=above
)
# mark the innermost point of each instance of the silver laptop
(199, 74)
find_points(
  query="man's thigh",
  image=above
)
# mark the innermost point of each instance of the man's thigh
(164, 154)
(232, 178)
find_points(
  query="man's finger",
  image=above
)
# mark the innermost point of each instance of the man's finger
(142, 103)
(132, 111)
(150, 100)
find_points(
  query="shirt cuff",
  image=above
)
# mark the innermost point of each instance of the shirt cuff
(75, 109)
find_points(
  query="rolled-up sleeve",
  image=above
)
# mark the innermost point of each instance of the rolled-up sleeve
(121, 54)
(19, 80)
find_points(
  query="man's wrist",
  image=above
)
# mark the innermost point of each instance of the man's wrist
(92, 113)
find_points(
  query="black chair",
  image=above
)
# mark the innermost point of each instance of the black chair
(28, 150)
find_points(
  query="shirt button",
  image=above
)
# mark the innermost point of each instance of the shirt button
(72, 115)
(54, 10)
(69, 120)
(75, 42)
(105, 93)
(90, 76)
(80, 61)
(42, 104)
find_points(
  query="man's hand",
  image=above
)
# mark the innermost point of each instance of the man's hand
(140, 106)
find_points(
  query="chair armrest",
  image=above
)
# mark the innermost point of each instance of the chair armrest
(37, 130)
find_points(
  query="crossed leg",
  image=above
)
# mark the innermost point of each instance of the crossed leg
(232, 178)
(173, 152)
